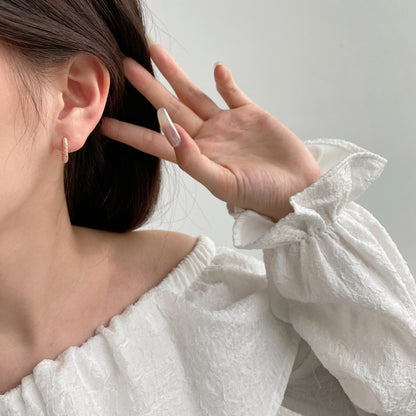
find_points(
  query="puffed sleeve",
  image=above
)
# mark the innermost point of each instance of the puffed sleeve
(337, 277)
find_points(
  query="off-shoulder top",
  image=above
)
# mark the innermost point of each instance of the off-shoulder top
(325, 326)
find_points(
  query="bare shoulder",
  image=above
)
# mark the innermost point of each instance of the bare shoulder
(151, 254)
(168, 247)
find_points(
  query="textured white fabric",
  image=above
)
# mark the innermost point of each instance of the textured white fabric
(330, 329)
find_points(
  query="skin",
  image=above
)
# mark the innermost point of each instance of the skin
(243, 155)
(58, 282)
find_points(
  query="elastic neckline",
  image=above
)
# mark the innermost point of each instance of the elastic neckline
(177, 280)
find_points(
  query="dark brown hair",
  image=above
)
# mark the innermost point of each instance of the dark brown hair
(108, 185)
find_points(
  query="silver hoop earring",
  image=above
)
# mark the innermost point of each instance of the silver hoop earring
(65, 156)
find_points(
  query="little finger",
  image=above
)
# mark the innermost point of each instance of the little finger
(140, 138)
(228, 89)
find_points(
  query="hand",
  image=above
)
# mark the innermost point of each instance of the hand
(243, 155)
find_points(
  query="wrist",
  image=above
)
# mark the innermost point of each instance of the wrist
(301, 182)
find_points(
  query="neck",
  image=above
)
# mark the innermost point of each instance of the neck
(43, 263)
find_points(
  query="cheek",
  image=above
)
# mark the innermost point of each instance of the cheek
(9, 109)
(24, 149)
(19, 119)
(22, 146)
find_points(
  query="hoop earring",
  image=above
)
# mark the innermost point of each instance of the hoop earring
(65, 156)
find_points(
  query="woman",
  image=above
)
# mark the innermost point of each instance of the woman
(95, 319)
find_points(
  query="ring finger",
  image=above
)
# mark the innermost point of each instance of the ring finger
(185, 89)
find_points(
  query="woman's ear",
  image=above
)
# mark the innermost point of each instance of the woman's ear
(83, 90)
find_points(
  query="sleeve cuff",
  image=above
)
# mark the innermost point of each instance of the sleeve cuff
(348, 170)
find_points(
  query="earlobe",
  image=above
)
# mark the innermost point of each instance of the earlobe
(84, 88)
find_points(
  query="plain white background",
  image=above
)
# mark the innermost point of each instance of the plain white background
(324, 68)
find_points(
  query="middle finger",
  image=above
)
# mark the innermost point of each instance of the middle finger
(159, 96)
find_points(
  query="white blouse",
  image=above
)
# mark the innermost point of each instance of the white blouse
(326, 326)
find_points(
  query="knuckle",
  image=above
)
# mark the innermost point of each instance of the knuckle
(229, 89)
(195, 92)
(173, 107)
(184, 162)
(148, 137)
(146, 82)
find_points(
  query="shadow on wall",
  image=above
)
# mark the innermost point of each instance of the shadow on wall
(285, 412)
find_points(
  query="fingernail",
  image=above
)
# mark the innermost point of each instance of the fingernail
(167, 127)
(217, 63)
(150, 41)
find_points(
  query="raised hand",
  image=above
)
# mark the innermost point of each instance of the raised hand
(243, 155)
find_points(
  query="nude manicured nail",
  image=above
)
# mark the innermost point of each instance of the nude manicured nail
(167, 127)
(150, 41)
